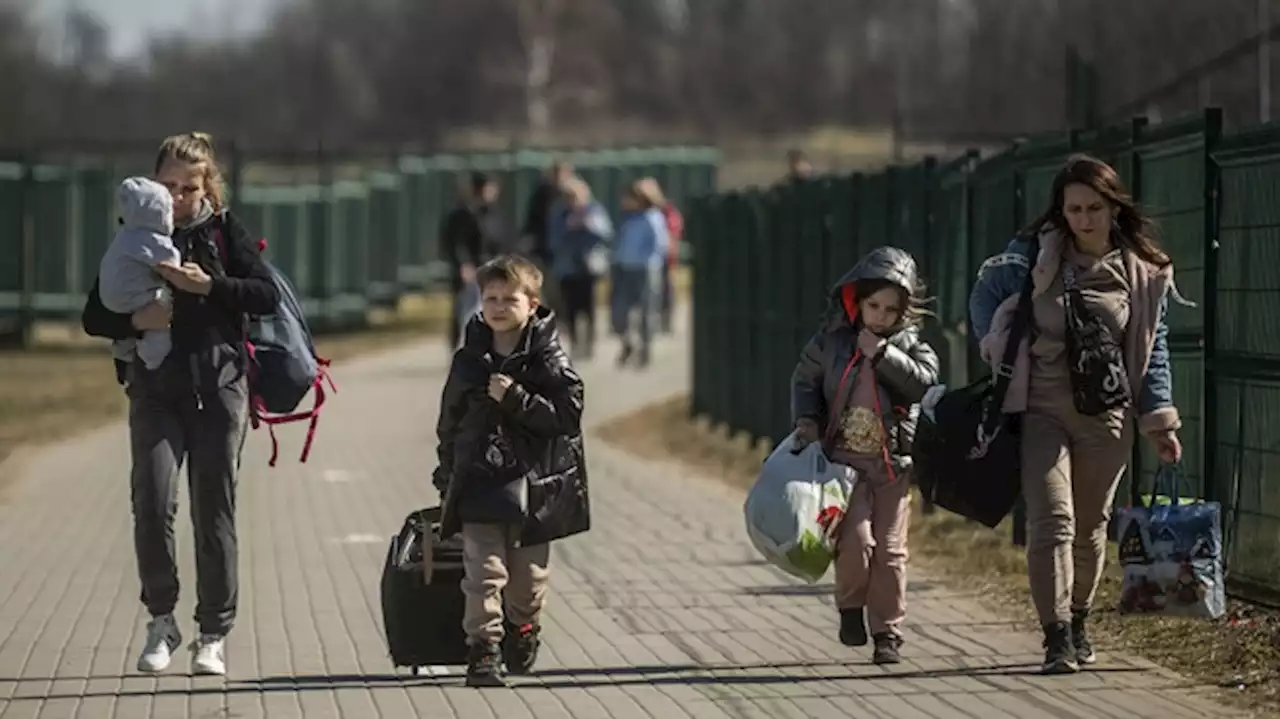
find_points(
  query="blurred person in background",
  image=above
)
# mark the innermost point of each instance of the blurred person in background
(534, 235)
(798, 166)
(472, 234)
(578, 238)
(639, 254)
(675, 231)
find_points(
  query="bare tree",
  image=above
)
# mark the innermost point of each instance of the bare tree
(538, 21)
(405, 72)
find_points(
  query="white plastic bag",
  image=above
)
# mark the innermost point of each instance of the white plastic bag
(794, 510)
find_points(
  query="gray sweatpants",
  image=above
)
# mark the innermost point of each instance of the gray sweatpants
(192, 408)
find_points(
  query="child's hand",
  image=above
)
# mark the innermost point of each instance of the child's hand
(498, 386)
(806, 432)
(870, 343)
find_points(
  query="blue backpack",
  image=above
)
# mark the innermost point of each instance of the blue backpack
(283, 364)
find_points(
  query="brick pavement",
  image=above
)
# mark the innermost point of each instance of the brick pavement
(662, 609)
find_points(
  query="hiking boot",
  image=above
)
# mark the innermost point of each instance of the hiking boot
(1080, 637)
(163, 637)
(484, 666)
(887, 649)
(1059, 652)
(209, 655)
(853, 627)
(520, 648)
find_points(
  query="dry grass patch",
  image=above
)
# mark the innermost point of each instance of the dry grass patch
(1240, 653)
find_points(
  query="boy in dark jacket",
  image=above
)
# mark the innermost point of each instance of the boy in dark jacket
(511, 467)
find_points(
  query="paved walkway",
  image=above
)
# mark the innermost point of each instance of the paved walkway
(663, 609)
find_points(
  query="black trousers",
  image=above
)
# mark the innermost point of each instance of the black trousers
(578, 298)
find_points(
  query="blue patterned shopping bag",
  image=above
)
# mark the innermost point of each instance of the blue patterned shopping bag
(1171, 553)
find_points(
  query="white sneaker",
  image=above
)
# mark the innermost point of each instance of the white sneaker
(208, 655)
(162, 638)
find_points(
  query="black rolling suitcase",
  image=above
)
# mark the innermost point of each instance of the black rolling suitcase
(423, 615)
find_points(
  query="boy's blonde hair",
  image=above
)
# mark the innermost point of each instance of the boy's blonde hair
(196, 148)
(513, 270)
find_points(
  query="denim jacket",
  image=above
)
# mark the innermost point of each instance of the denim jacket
(995, 296)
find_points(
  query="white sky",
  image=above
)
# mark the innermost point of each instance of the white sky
(132, 21)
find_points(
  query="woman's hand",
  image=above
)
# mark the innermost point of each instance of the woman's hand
(806, 433)
(190, 277)
(152, 316)
(1168, 447)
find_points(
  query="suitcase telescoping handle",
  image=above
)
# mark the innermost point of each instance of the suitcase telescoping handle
(428, 556)
(412, 536)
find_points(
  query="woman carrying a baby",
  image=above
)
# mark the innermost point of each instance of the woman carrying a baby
(181, 276)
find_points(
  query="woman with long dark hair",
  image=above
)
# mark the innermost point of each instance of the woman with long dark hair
(1094, 366)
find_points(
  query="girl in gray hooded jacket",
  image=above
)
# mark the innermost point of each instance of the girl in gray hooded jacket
(857, 388)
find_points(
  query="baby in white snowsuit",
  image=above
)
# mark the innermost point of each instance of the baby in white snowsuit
(127, 280)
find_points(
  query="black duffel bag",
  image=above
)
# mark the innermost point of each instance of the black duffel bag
(967, 458)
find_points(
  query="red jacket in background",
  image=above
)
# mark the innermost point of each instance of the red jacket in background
(675, 231)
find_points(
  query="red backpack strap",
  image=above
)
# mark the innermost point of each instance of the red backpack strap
(261, 416)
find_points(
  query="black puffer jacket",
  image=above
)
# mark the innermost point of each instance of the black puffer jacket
(905, 369)
(544, 406)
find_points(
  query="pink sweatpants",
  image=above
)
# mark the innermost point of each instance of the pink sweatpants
(871, 559)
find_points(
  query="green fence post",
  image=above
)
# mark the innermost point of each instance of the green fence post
(721, 297)
(383, 244)
(1209, 412)
(760, 369)
(235, 165)
(775, 241)
(695, 232)
(27, 256)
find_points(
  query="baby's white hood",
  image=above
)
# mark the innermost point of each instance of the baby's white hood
(145, 204)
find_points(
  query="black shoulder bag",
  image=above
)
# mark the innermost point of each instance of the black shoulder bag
(1099, 377)
(968, 458)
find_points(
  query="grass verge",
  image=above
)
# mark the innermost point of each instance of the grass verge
(1239, 653)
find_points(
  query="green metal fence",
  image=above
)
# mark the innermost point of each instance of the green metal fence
(351, 234)
(1215, 198)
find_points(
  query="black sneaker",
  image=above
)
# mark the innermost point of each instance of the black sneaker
(887, 649)
(1059, 652)
(853, 627)
(484, 666)
(520, 648)
(1080, 637)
